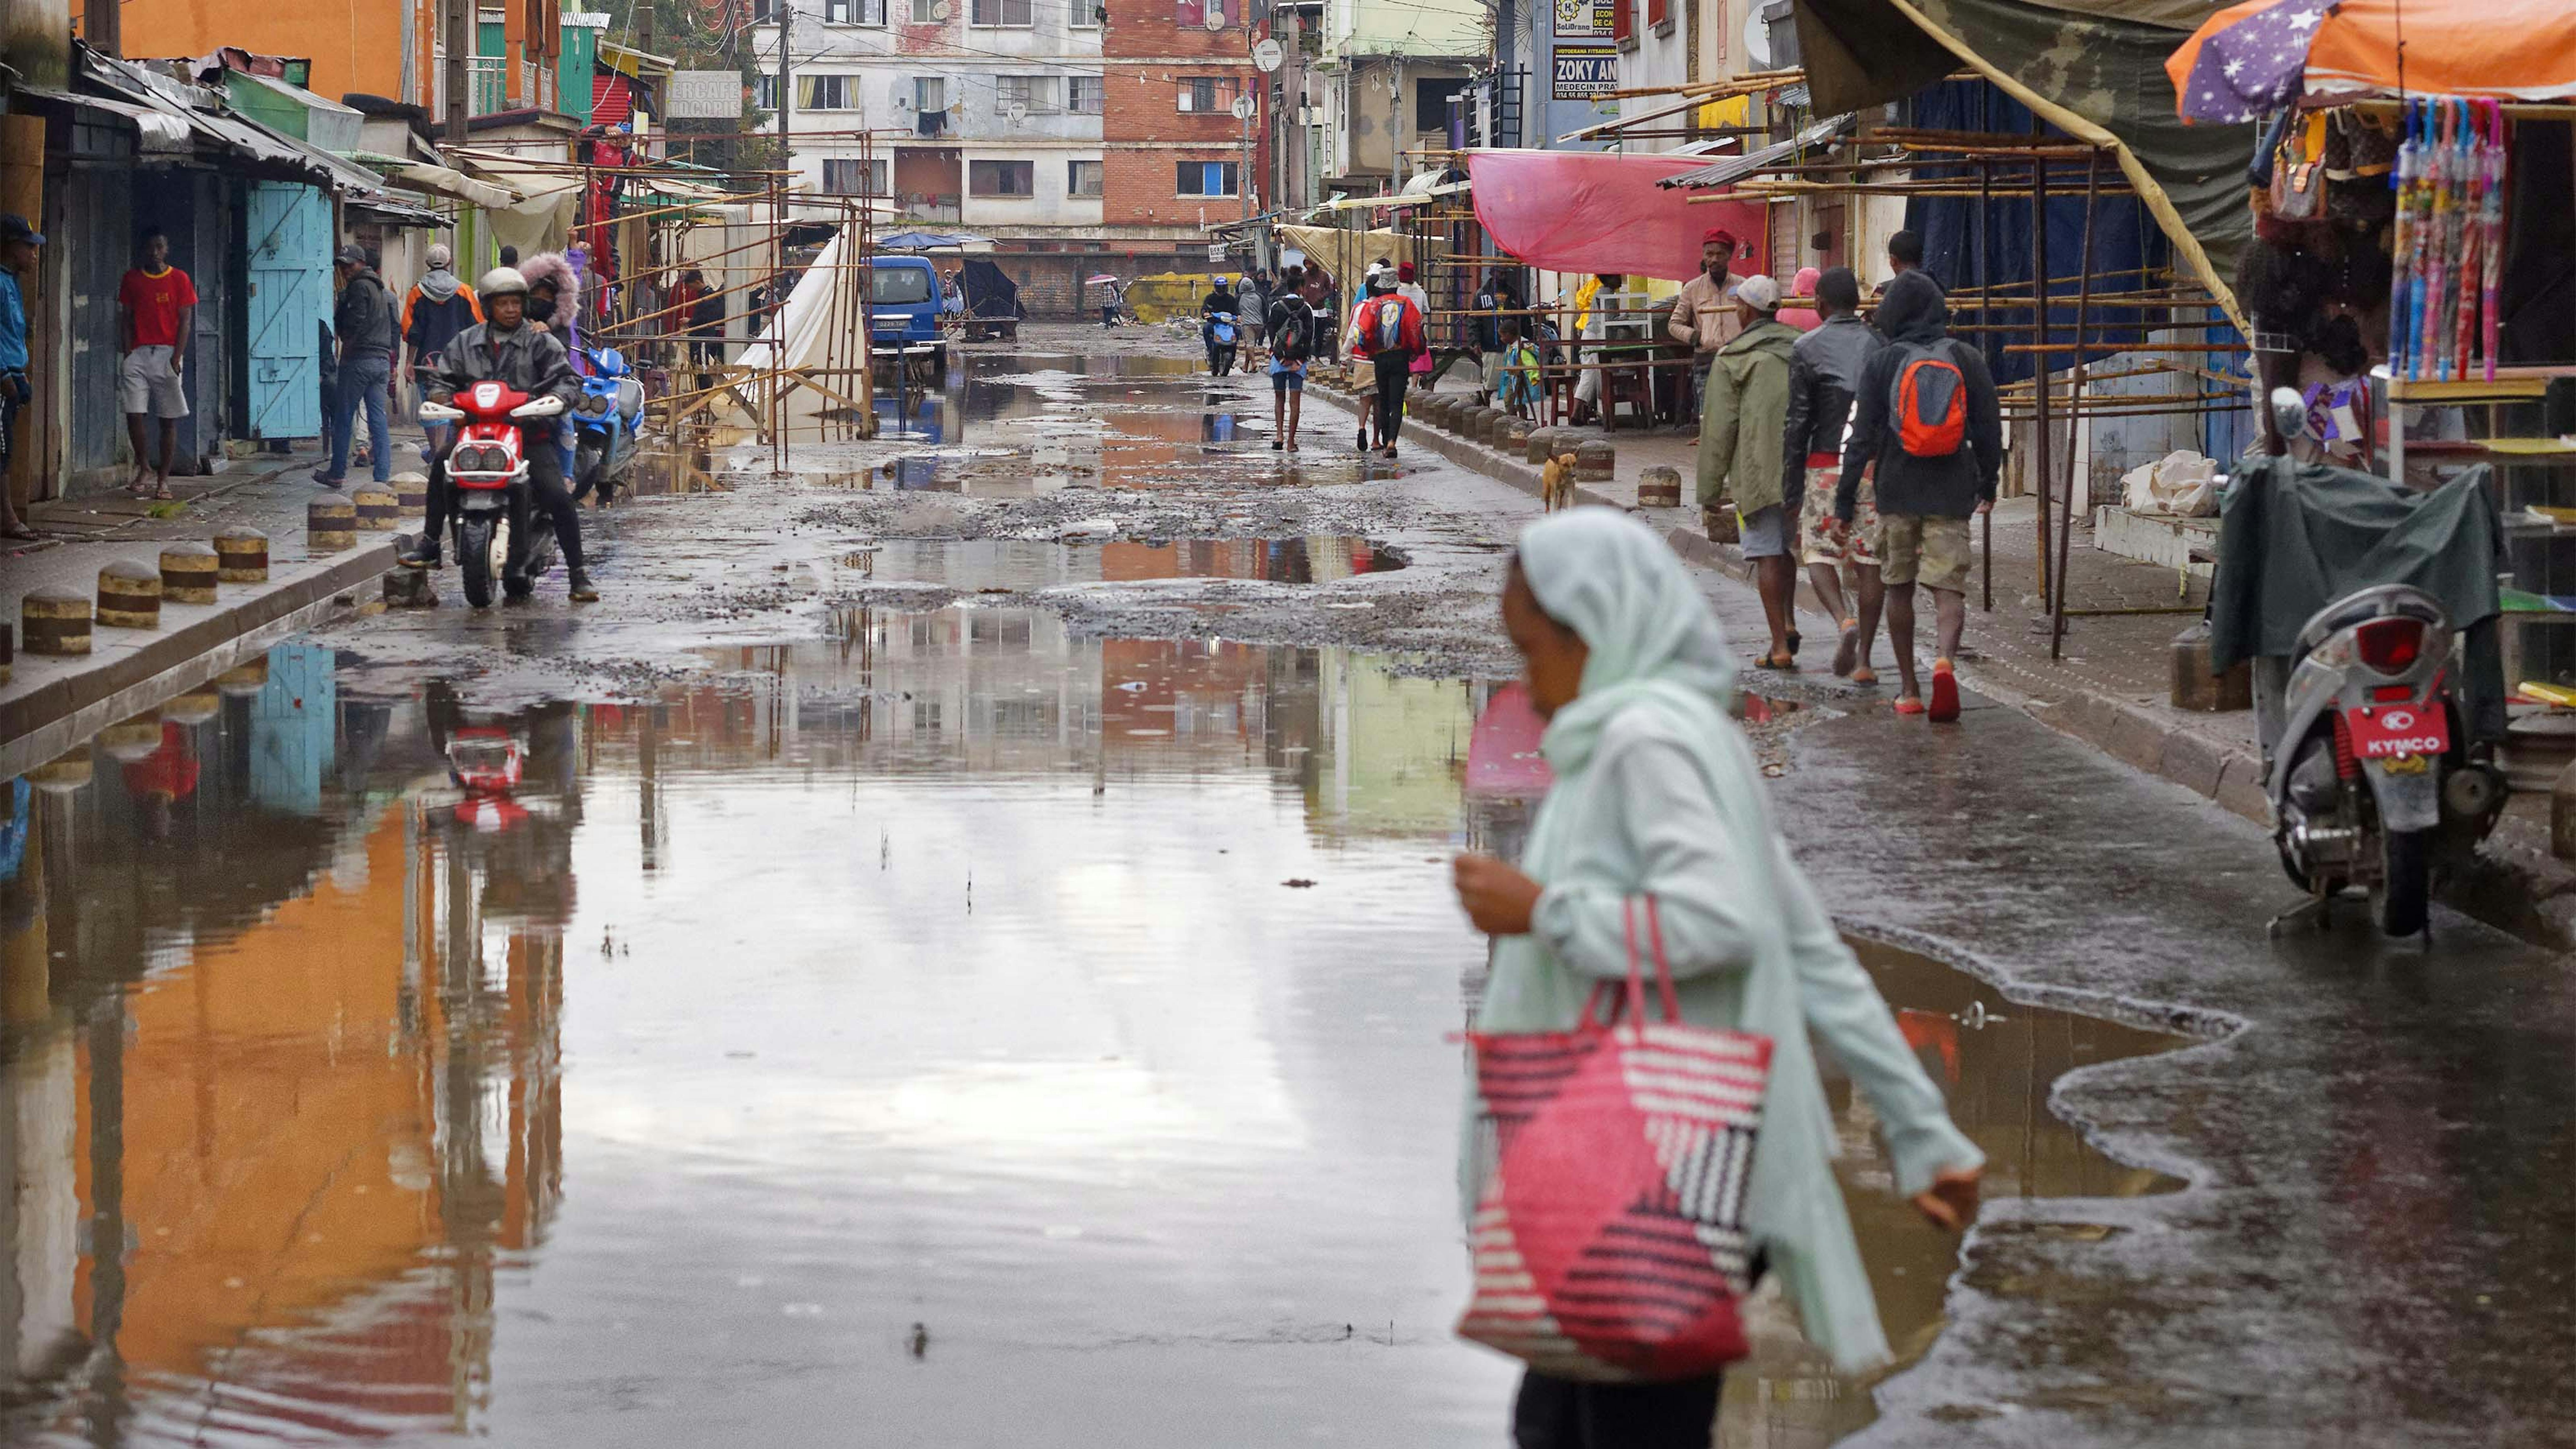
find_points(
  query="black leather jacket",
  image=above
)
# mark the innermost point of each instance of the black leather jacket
(531, 361)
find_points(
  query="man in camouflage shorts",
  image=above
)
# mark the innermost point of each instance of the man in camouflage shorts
(1823, 369)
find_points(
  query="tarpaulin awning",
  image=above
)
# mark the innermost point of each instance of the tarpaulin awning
(1346, 254)
(454, 185)
(1407, 197)
(540, 218)
(1584, 211)
(915, 241)
(2521, 50)
(2089, 67)
(1735, 168)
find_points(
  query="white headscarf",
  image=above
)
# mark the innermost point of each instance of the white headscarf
(1620, 588)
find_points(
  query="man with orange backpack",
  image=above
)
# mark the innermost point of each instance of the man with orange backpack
(1386, 328)
(1925, 414)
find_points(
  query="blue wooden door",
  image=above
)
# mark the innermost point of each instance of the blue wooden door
(290, 298)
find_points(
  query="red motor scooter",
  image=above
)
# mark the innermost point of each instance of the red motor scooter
(496, 523)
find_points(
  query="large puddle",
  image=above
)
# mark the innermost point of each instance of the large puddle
(1024, 423)
(950, 1025)
(1018, 564)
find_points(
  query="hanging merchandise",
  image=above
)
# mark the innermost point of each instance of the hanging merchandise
(2491, 165)
(2405, 243)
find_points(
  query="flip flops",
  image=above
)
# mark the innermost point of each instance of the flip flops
(1945, 693)
(1847, 653)
(1909, 705)
(1785, 663)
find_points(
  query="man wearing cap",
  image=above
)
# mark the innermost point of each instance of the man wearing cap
(1740, 440)
(1704, 316)
(18, 244)
(156, 309)
(363, 319)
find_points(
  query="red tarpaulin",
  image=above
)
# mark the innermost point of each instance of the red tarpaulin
(1584, 211)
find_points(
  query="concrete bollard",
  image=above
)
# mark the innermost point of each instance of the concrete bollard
(1490, 423)
(411, 493)
(188, 572)
(1659, 487)
(2194, 687)
(330, 523)
(64, 773)
(129, 595)
(195, 707)
(244, 679)
(241, 556)
(2562, 814)
(378, 509)
(54, 620)
(1516, 436)
(1440, 412)
(1541, 445)
(409, 588)
(130, 740)
(1595, 461)
(1473, 423)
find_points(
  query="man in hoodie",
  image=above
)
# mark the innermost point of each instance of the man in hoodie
(1926, 417)
(363, 320)
(1741, 426)
(437, 307)
(1824, 370)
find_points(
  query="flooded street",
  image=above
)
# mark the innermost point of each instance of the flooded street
(949, 1021)
(959, 950)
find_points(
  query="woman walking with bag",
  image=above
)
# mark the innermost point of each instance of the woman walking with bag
(1655, 852)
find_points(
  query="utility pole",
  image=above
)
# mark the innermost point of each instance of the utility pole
(457, 20)
(786, 89)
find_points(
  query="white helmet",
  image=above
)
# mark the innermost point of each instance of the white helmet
(502, 282)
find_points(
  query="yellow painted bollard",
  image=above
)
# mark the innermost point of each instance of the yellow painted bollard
(54, 620)
(241, 556)
(64, 773)
(243, 680)
(131, 740)
(129, 595)
(411, 493)
(378, 509)
(330, 523)
(195, 707)
(188, 572)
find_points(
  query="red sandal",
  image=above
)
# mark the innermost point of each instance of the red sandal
(1945, 693)
(1909, 705)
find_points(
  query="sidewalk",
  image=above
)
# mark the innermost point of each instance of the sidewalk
(2111, 689)
(52, 703)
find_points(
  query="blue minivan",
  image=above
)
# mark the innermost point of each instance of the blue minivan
(904, 303)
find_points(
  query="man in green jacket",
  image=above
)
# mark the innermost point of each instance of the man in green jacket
(1742, 423)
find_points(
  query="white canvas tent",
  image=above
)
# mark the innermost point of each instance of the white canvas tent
(822, 330)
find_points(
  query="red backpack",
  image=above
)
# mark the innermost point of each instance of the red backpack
(1395, 325)
(1930, 401)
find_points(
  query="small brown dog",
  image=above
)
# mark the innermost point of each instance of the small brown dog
(1556, 482)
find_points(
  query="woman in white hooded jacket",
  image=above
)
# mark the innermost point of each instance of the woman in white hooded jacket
(1657, 794)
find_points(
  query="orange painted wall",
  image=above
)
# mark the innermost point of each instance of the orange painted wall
(353, 47)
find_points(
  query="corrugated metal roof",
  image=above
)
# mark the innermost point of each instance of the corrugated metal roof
(155, 131)
(1732, 169)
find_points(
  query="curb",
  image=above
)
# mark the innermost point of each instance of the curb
(47, 720)
(2517, 887)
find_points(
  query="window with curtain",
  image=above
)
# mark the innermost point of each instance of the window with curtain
(1083, 94)
(1002, 12)
(1207, 178)
(850, 176)
(827, 92)
(1082, 178)
(1202, 94)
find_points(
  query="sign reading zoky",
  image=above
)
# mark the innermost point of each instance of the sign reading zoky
(1586, 72)
(706, 95)
(1587, 19)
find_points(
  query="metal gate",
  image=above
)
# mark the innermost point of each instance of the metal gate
(289, 227)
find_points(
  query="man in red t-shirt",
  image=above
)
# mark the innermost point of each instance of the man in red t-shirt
(156, 307)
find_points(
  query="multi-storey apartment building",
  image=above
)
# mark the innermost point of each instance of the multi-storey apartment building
(1062, 129)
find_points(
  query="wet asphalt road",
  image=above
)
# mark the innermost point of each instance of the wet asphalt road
(889, 998)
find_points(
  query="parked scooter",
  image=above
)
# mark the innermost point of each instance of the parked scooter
(497, 525)
(1222, 343)
(2368, 763)
(608, 420)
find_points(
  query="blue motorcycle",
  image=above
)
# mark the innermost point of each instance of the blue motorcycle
(607, 420)
(1221, 342)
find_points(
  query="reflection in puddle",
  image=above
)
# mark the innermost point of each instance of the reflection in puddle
(1035, 564)
(935, 972)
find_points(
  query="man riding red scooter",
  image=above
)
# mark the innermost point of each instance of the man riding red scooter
(523, 357)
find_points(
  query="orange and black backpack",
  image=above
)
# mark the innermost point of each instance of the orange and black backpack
(1929, 401)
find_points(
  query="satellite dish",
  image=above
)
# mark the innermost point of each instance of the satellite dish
(1757, 41)
(1017, 111)
(939, 11)
(1215, 18)
(1267, 56)
(1242, 108)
